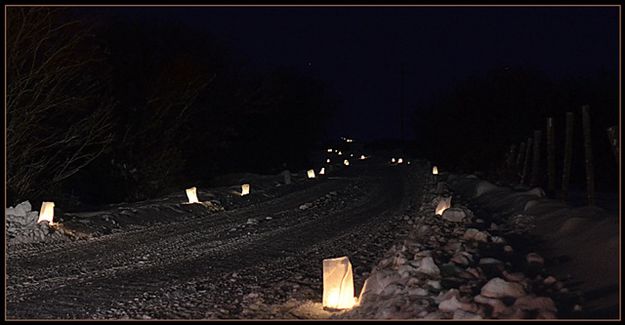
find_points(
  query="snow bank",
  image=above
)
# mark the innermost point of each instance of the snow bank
(434, 274)
(587, 236)
(21, 225)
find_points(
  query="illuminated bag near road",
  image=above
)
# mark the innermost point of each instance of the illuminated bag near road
(46, 213)
(245, 189)
(338, 283)
(443, 204)
(192, 195)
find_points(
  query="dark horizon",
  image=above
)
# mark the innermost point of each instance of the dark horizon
(359, 51)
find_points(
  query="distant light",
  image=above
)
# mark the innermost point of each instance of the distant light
(435, 170)
(46, 213)
(346, 162)
(328, 160)
(349, 140)
(351, 154)
(362, 157)
(192, 195)
(311, 173)
(400, 160)
(245, 189)
(408, 162)
(329, 150)
(340, 153)
(392, 160)
(322, 171)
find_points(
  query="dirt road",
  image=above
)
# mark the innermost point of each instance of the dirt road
(219, 265)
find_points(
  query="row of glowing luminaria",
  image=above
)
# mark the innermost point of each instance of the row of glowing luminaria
(338, 280)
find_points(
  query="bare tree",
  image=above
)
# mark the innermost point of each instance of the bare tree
(58, 108)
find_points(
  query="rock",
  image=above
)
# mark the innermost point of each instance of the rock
(380, 279)
(513, 277)
(305, 206)
(446, 295)
(454, 215)
(450, 305)
(417, 292)
(498, 240)
(449, 270)
(533, 258)
(435, 315)
(498, 307)
(434, 284)
(460, 259)
(546, 315)
(500, 288)
(537, 191)
(474, 234)
(484, 187)
(391, 290)
(535, 303)
(428, 266)
(398, 260)
(490, 260)
(25, 207)
(406, 270)
(461, 314)
(550, 280)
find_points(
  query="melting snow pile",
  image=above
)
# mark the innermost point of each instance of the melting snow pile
(449, 269)
(21, 225)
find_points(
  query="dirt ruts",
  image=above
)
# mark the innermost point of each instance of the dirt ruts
(208, 265)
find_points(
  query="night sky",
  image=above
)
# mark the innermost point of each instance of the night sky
(359, 51)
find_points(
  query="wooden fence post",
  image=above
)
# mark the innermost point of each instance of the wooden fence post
(510, 158)
(568, 154)
(613, 138)
(536, 159)
(590, 176)
(526, 161)
(551, 156)
(519, 159)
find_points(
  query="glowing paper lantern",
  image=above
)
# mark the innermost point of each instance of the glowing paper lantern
(245, 189)
(443, 204)
(400, 160)
(46, 213)
(192, 195)
(311, 173)
(346, 162)
(434, 170)
(392, 160)
(322, 171)
(338, 283)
